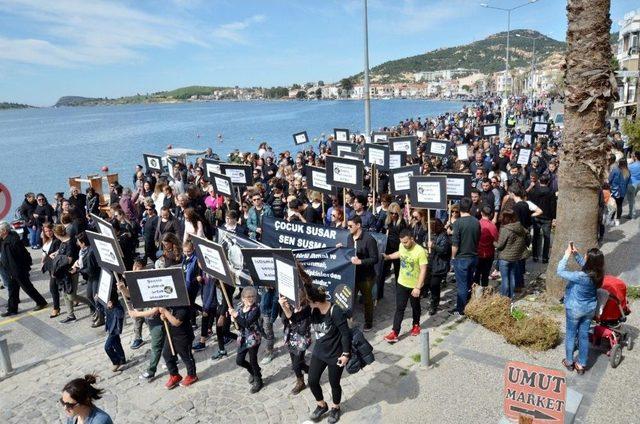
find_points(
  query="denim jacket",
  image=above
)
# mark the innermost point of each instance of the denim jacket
(580, 293)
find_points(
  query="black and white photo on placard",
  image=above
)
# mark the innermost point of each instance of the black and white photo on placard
(540, 128)
(239, 174)
(397, 159)
(490, 130)
(458, 184)
(379, 137)
(213, 260)
(403, 144)
(300, 138)
(428, 192)
(438, 147)
(345, 172)
(351, 155)
(107, 251)
(377, 154)
(287, 277)
(164, 287)
(153, 162)
(317, 180)
(399, 178)
(211, 167)
(462, 151)
(341, 134)
(221, 184)
(524, 156)
(337, 148)
(105, 285)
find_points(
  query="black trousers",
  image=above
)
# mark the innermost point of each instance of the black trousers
(298, 364)
(316, 368)
(403, 294)
(541, 234)
(92, 290)
(182, 347)
(433, 289)
(55, 292)
(383, 275)
(483, 270)
(14, 285)
(251, 366)
(619, 206)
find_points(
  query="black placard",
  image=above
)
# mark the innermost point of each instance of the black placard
(233, 245)
(211, 167)
(338, 147)
(221, 184)
(240, 174)
(458, 184)
(107, 252)
(540, 128)
(380, 137)
(317, 180)
(404, 144)
(397, 159)
(490, 130)
(344, 172)
(152, 162)
(340, 134)
(259, 263)
(287, 276)
(438, 147)
(300, 138)
(351, 155)
(377, 154)
(428, 192)
(164, 287)
(399, 179)
(213, 260)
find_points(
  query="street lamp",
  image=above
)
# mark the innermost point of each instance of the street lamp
(508, 31)
(533, 58)
(367, 102)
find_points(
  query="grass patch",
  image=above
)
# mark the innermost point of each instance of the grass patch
(518, 314)
(403, 373)
(451, 327)
(416, 357)
(633, 292)
(439, 340)
(556, 308)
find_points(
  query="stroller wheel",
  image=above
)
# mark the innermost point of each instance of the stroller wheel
(615, 356)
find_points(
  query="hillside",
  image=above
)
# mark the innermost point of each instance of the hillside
(487, 56)
(176, 95)
(5, 105)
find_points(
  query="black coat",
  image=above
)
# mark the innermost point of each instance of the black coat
(15, 259)
(440, 255)
(367, 251)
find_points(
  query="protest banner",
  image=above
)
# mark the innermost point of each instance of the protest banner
(232, 244)
(297, 235)
(399, 179)
(404, 144)
(240, 174)
(105, 285)
(337, 148)
(458, 184)
(524, 156)
(213, 260)
(490, 130)
(397, 159)
(340, 134)
(540, 128)
(462, 151)
(536, 392)
(153, 162)
(107, 251)
(287, 276)
(300, 138)
(317, 180)
(378, 155)
(211, 167)
(221, 184)
(379, 137)
(332, 269)
(428, 192)
(438, 147)
(344, 172)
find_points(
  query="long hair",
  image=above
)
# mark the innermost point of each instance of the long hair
(594, 266)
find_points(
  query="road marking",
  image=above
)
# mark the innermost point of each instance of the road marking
(19, 317)
(47, 332)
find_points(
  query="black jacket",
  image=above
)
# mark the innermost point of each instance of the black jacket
(545, 199)
(440, 255)
(14, 257)
(367, 251)
(90, 269)
(26, 212)
(46, 265)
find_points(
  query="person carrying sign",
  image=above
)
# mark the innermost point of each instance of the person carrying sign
(413, 271)
(181, 334)
(248, 318)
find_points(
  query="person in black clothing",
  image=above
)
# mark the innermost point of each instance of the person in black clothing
(366, 257)
(88, 267)
(166, 224)
(439, 249)
(546, 200)
(50, 244)
(16, 262)
(525, 213)
(393, 224)
(331, 350)
(181, 334)
(43, 213)
(127, 236)
(149, 227)
(78, 199)
(464, 252)
(27, 210)
(93, 201)
(247, 315)
(277, 200)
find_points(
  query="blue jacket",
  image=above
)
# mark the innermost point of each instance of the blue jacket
(191, 271)
(634, 170)
(618, 183)
(580, 292)
(254, 221)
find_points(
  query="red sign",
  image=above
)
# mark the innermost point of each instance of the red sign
(535, 392)
(5, 201)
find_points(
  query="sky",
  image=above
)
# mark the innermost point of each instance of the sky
(112, 48)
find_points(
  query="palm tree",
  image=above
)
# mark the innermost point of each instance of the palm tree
(590, 87)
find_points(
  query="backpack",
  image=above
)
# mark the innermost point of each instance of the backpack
(361, 352)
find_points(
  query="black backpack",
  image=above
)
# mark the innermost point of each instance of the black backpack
(361, 352)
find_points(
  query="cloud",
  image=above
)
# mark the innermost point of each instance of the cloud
(417, 16)
(234, 32)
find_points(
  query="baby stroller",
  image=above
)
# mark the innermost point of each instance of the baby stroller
(611, 312)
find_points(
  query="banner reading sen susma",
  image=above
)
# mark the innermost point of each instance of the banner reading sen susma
(296, 235)
(331, 268)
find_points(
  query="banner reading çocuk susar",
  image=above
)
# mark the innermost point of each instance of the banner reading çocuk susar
(296, 235)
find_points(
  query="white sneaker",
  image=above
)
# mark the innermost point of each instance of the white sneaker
(267, 359)
(617, 222)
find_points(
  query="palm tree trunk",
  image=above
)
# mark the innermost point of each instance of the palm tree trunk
(590, 86)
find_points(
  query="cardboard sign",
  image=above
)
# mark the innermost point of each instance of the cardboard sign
(524, 155)
(107, 252)
(340, 134)
(233, 244)
(458, 184)
(377, 154)
(105, 227)
(462, 151)
(397, 159)
(428, 192)
(337, 148)
(490, 130)
(534, 391)
(211, 167)
(403, 144)
(379, 137)
(259, 263)
(213, 260)
(344, 172)
(221, 184)
(163, 287)
(351, 155)
(399, 179)
(239, 174)
(105, 286)
(153, 162)
(300, 138)
(540, 128)
(438, 147)
(317, 180)
(287, 277)
(527, 140)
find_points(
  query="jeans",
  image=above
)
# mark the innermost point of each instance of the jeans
(578, 323)
(434, 287)
(92, 290)
(632, 190)
(403, 294)
(157, 342)
(137, 328)
(508, 270)
(316, 368)
(113, 348)
(34, 236)
(464, 268)
(365, 286)
(269, 336)
(483, 271)
(71, 298)
(541, 230)
(520, 270)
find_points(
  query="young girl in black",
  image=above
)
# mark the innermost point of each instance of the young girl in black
(248, 318)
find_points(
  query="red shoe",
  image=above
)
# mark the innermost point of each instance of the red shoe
(415, 331)
(391, 337)
(173, 381)
(189, 380)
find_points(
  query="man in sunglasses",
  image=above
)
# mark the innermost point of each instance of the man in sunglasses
(257, 212)
(365, 261)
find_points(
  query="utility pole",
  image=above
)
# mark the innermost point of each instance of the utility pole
(367, 99)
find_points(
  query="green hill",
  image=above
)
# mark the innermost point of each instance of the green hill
(487, 56)
(5, 105)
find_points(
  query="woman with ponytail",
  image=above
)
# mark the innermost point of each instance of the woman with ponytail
(580, 302)
(77, 400)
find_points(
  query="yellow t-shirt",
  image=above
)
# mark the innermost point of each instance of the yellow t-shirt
(410, 262)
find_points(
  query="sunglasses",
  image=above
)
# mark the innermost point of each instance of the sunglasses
(68, 405)
(351, 226)
(393, 213)
(256, 199)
